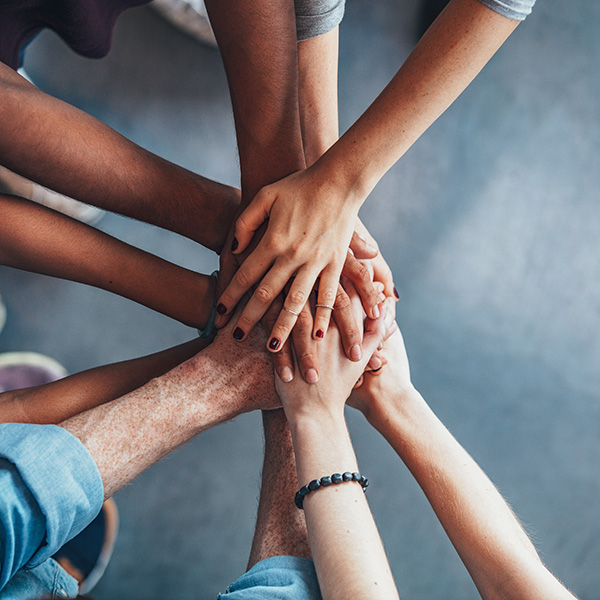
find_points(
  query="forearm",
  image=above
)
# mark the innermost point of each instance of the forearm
(257, 40)
(317, 93)
(37, 239)
(448, 57)
(63, 399)
(486, 534)
(131, 433)
(60, 147)
(345, 544)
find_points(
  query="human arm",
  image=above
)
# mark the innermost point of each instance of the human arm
(444, 62)
(35, 238)
(344, 541)
(496, 551)
(129, 434)
(72, 395)
(64, 149)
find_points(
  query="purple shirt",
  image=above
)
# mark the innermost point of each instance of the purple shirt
(85, 25)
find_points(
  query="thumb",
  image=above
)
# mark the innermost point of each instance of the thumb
(255, 214)
(362, 248)
(375, 331)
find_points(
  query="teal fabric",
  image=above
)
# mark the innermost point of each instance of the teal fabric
(276, 578)
(50, 490)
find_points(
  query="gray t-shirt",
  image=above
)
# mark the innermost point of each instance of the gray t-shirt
(316, 17)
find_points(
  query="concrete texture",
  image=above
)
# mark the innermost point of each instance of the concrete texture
(491, 224)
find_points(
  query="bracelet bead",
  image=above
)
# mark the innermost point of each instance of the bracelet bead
(326, 481)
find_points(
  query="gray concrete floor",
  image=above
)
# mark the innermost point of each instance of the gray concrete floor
(491, 224)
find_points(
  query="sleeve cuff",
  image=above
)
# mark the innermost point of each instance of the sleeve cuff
(60, 474)
(513, 9)
(316, 17)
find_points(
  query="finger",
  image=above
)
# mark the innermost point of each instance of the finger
(249, 273)
(359, 382)
(383, 273)
(305, 346)
(347, 325)
(374, 333)
(326, 298)
(253, 216)
(292, 307)
(361, 247)
(267, 290)
(358, 273)
(283, 362)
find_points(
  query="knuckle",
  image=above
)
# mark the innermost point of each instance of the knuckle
(362, 272)
(307, 359)
(263, 294)
(297, 297)
(242, 279)
(274, 243)
(328, 295)
(342, 301)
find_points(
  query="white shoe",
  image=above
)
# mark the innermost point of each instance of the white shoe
(11, 183)
(189, 16)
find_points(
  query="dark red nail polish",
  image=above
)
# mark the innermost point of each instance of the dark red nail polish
(234, 244)
(274, 343)
(221, 309)
(396, 294)
(238, 334)
(319, 333)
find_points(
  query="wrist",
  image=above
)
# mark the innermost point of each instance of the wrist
(343, 171)
(394, 410)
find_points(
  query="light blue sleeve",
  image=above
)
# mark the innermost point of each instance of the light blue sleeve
(50, 489)
(513, 9)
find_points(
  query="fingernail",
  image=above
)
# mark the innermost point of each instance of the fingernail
(274, 343)
(376, 364)
(375, 312)
(221, 309)
(356, 352)
(377, 370)
(238, 334)
(234, 244)
(286, 374)
(311, 376)
(396, 294)
(320, 333)
(368, 246)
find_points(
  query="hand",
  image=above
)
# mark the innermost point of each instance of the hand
(307, 237)
(338, 374)
(248, 359)
(381, 270)
(377, 388)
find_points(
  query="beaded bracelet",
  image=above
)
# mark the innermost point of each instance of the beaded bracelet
(334, 479)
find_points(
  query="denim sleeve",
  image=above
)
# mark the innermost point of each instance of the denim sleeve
(316, 17)
(50, 489)
(513, 9)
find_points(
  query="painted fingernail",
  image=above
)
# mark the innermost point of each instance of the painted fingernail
(320, 333)
(355, 352)
(375, 312)
(396, 294)
(238, 334)
(377, 370)
(221, 309)
(311, 376)
(286, 374)
(234, 244)
(274, 343)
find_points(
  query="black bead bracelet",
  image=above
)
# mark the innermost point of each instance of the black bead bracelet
(334, 479)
